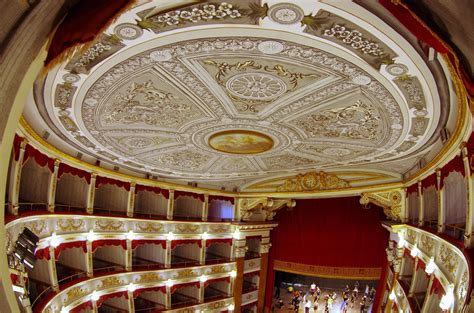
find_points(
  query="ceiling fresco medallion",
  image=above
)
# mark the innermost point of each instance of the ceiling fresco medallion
(240, 142)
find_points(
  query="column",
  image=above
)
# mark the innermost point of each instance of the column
(128, 256)
(91, 194)
(131, 200)
(52, 269)
(168, 297)
(239, 254)
(202, 285)
(205, 208)
(441, 209)
(262, 282)
(202, 256)
(53, 180)
(168, 254)
(15, 185)
(89, 263)
(95, 309)
(131, 302)
(421, 208)
(469, 231)
(169, 209)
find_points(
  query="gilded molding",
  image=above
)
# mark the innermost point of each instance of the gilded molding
(392, 202)
(313, 181)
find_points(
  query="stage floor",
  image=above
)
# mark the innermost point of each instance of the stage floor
(336, 307)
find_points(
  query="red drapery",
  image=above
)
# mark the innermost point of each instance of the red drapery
(137, 292)
(220, 240)
(66, 169)
(68, 245)
(137, 242)
(216, 280)
(436, 287)
(109, 242)
(117, 294)
(176, 243)
(418, 28)
(82, 306)
(16, 146)
(191, 284)
(223, 198)
(40, 158)
(455, 165)
(178, 193)
(429, 181)
(420, 265)
(100, 180)
(158, 190)
(15, 279)
(73, 31)
(413, 188)
(43, 254)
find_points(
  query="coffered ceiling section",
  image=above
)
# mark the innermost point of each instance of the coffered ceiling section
(236, 93)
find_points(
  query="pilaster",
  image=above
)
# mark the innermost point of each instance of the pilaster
(131, 200)
(205, 208)
(421, 208)
(441, 207)
(128, 256)
(89, 263)
(202, 256)
(52, 269)
(17, 168)
(53, 180)
(168, 254)
(262, 282)
(469, 231)
(91, 194)
(170, 207)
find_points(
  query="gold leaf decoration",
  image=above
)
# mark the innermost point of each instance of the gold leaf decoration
(109, 225)
(70, 224)
(449, 259)
(219, 228)
(148, 277)
(187, 228)
(110, 282)
(313, 181)
(185, 273)
(75, 293)
(149, 227)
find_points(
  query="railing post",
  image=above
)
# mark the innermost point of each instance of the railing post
(89, 262)
(441, 206)
(131, 200)
(15, 186)
(202, 256)
(128, 256)
(421, 207)
(169, 209)
(53, 180)
(52, 269)
(205, 207)
(469, 231)
(91, 194)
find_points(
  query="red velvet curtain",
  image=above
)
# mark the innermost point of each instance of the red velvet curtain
(178, 193)
(429, 181)
(109, 242)
(66, 169)
(68, 245)
(40, 158)
(436, 287)
(74, 31)
(136, 243)
(157, 190)
(216, 280)
(184, 285)
(220, 240)
(117, 294)
(381, 287)
(43, 254)
(100, 180)
(137, 292)
(455, 165)
(223, 198)
(176, 243)
(330, 232)
(412, 188)
(83, 306)
(418, 28)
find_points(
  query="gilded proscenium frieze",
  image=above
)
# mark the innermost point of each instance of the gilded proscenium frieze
(392, 202)
(313, 181)
(79, 293)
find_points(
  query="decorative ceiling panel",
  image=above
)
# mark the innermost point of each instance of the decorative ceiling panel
(167, 94)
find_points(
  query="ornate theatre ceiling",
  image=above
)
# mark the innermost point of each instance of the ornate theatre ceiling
(246, 94)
